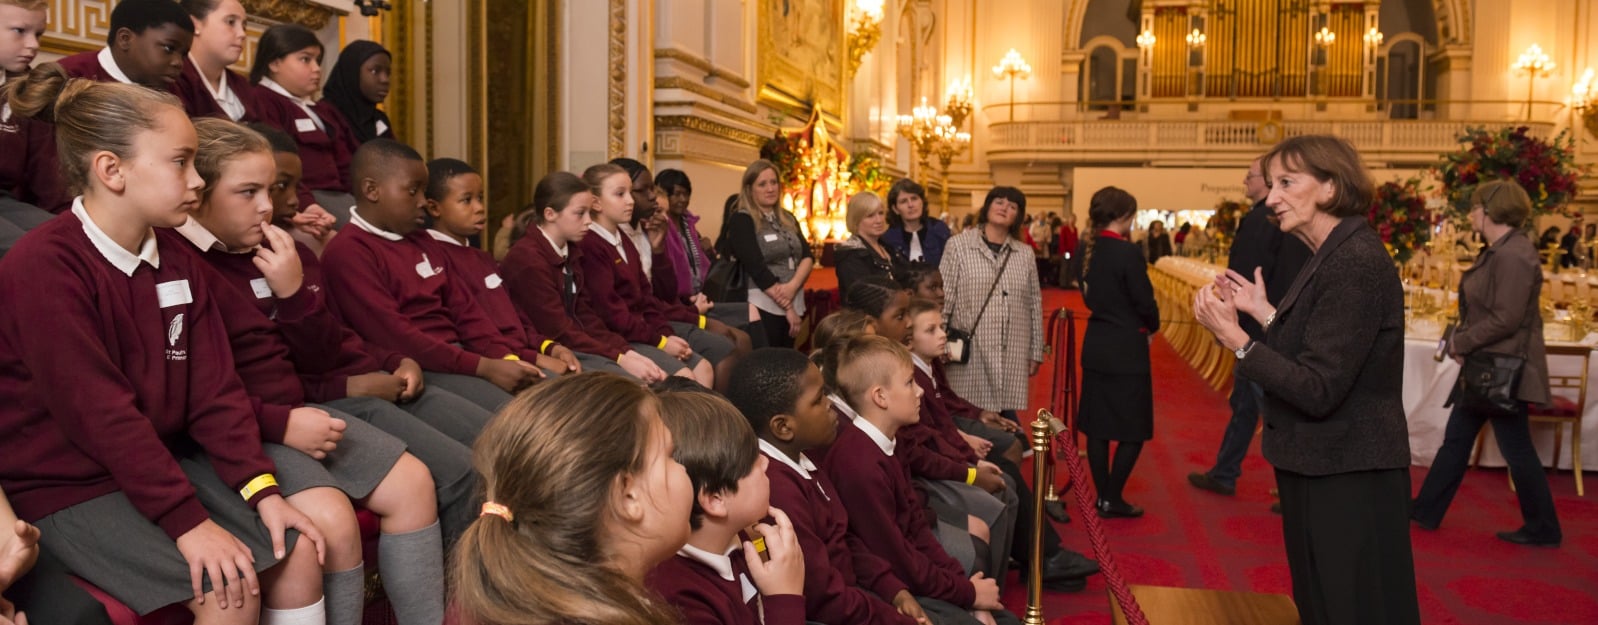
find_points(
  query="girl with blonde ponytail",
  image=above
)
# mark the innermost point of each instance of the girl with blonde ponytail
(583, 499)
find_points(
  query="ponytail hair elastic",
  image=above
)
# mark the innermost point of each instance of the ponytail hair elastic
(497, 509)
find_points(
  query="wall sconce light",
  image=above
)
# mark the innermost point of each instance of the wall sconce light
(1534, 64)
(1012, 66)
(1583, 94)
(1373, 38)
(865, 29)
(1196, 39)
(1145, 40)
(1325, 37)
(958, 101)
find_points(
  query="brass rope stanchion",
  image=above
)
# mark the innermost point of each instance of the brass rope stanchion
(1041, 435)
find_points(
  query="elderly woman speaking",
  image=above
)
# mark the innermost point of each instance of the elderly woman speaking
(1331, 366)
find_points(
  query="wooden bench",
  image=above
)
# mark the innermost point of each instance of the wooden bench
(1164, 605)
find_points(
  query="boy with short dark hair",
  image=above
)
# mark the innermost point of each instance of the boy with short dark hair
(387, 288)
(713, 579)
(876, 378)
(146, 44)
(783, 396)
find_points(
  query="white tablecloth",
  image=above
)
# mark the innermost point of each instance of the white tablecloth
(1427, 383)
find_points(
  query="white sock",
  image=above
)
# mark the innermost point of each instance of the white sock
(314, 614)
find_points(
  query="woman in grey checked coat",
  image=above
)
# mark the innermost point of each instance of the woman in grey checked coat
(1007, 339)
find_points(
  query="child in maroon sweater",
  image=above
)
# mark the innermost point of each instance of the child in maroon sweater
(287, 72)
(28, 172)
(143, 478)
(207, 87)
(147, 42)
(877, 379)
(541, 274)
(782, 395)
(455, 204)
(709, 582)
(384, 284)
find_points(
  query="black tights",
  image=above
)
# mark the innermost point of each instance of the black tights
(1111, 481)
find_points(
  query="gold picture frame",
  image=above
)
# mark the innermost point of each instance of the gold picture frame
(801, 60)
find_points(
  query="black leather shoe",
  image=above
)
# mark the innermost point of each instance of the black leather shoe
(1520, 537)
(1203, 481)
(1077, 584)
(1067, 565)
(1112, 510)
(1056, 510)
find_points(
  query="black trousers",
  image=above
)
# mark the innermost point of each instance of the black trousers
(776, 327)
(1513, 433)
(1347, 539)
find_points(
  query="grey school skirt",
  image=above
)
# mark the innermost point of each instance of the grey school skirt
(359, 463)
(953, 501)
(713, 347)
(107, 542)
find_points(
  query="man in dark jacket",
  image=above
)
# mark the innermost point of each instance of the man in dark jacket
(1259, 243)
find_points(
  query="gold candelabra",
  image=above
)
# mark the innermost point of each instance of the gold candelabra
(1534, 64)
(920, 128)
(1012, 66)
(1583, 97)
(937, 133)
(865, 30)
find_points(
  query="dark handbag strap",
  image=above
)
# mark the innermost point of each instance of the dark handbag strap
(989, 299)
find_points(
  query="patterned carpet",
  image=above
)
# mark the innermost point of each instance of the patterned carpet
(1192, 538)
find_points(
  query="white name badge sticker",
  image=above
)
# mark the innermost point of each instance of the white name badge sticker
(262, 291)
(492, 281)
(174, 293)
(304, 125)
(381, 127)
(771, 238)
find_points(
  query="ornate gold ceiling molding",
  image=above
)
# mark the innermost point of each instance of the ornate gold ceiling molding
(702, 64)
(678, 82)
(312, 15)
(701, 125)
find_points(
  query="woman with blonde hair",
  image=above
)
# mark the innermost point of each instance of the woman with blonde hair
(774, 255)
(864, 254)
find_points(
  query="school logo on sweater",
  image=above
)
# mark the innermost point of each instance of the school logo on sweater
(174, 331)
(425, 269)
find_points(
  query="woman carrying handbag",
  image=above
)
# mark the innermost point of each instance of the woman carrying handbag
(1504, 367)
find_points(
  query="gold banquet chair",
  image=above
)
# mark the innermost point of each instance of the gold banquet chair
(1562, 410)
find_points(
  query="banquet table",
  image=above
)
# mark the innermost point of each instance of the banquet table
(1426, 381)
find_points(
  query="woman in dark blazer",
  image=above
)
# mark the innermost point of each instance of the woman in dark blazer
(1498, 301)
(1117, 402)
(864, 254)
(910, 231)
(1331, 366)
(775, 257)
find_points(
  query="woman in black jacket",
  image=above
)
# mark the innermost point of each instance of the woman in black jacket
(864, 254)
(774, 255)
(1332, 368)
(1117, 401)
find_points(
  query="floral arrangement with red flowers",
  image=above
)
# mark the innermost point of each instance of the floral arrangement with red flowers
(1398, 213)
(1546, 169)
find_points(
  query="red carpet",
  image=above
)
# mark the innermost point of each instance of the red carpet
(1196, 539)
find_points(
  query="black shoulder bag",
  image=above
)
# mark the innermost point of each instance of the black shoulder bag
(1490, 378)
(959, 348)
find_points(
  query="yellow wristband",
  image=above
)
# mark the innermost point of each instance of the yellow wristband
(701, 322)
(971, 475)
(511, 357)
(662, 344)
(543, 348)
(260, 483)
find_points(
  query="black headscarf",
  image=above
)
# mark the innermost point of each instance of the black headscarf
(343, 89)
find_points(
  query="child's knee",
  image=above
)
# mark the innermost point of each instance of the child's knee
(979, 529)
(333, 514)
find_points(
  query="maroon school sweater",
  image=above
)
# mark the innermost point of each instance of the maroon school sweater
(197, 98)
(620, 292)
(838, 570)
(30, 171)
(86, 65)
(395, 296)
(478, 271)
(703, 597)
(534, 276)
(885, 514)
(97, 379)
(932, 448)
(325, 154)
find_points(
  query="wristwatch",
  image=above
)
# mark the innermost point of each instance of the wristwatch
(1244, 350)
